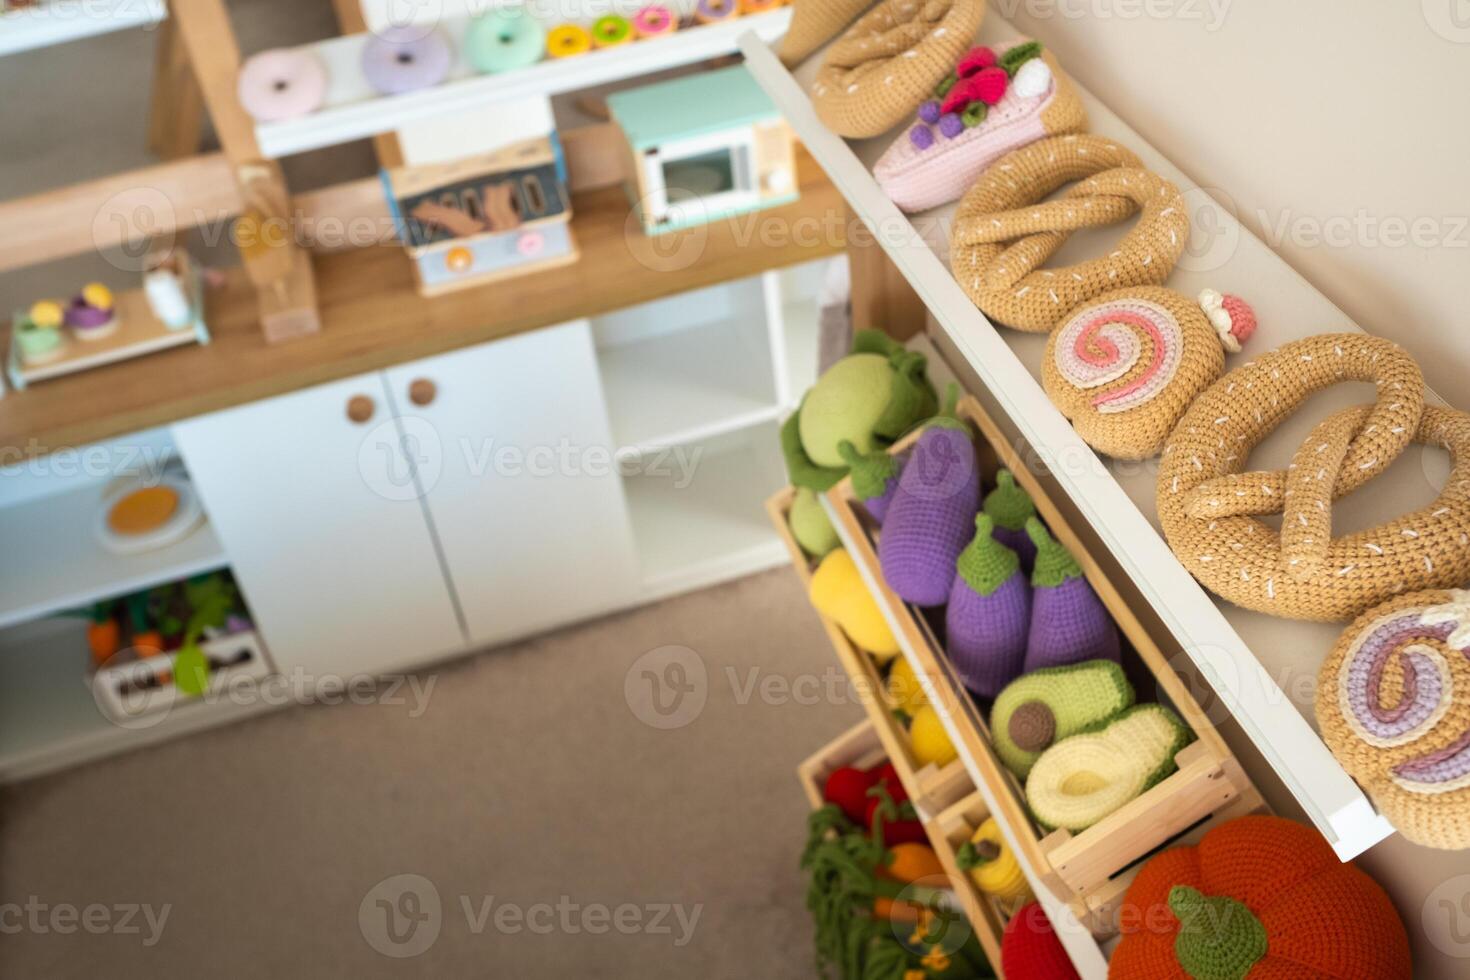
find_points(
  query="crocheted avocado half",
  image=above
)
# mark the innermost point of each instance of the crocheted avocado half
(1082, 779)
(1039, 709)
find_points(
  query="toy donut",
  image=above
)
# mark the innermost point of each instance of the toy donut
(1207, 502)
(655, 20)
(281, 84)
(611, 31)
(1003, 231)
(1393, 705)
(568, 41)
(748, 7)
(503, 40)
(404, 59)
(890, 60)
(715, 11)
(1125, 366)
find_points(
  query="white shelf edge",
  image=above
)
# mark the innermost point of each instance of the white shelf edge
(1334, 803)
(58, 22)
(370, 117)
(698, 433)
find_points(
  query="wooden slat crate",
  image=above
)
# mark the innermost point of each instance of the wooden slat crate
(1086, 870)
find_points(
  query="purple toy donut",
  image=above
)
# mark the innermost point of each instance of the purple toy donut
(282, 84)
(403, 59)
(715, 11)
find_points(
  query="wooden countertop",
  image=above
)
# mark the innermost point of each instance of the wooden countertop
(372, 317)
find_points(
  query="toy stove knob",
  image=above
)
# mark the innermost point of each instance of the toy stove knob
(779, 181)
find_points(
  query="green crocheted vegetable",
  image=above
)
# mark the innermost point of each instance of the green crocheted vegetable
(810, 524)
(1043, 707)
(1054, 563)
(870, 471)
(1008, 505)
(799, 467)
(985, 563)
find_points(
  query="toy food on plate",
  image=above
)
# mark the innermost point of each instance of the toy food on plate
(282, 84)
(1068, 621)
(1040, 708)
(404, 58)
(143, 510)
(838, 592)
(37, 333)
(992, 865)
(997, 99)
(504, 39)
(92, 314)
(1082, 779)
(1259, 897)
(988, 614)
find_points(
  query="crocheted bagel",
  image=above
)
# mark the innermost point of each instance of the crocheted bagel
(890, 60)
(1124, 367)
(1394, 707)
(1207, 503)
(1003, 233)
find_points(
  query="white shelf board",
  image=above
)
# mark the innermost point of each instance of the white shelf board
(1262, 667)
(803, 326)
(715, 527)
(688, 385)
(71, 20)
(352, 110)
(51, 561)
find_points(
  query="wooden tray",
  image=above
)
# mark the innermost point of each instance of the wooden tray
(930, 787)
(1090, 869)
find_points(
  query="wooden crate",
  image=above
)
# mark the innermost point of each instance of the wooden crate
(861, 746)
(1086, 870)
(930, 787)
(948, 832)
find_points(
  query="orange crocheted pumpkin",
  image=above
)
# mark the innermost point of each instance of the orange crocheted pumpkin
(1262, 898)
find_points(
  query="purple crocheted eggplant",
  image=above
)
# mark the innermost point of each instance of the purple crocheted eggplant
(1010, 507)
(928, 520)
(1069, 623)
(989, 613)
(874, 477)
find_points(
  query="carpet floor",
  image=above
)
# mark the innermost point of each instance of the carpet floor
(558, 833)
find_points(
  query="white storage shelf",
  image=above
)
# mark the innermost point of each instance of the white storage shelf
(352, 110)
(57, 21)
(1261, 667)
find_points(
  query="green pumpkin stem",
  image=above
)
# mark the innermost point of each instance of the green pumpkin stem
(1008, 505)
(985, 564)
(1219, 938)
(1054, 563)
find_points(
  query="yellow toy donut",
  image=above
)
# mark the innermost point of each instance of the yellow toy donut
(1208, 504)
(1125, 366)
(890, 60)
(1394, 707)
(568, 41)
(1003, 231)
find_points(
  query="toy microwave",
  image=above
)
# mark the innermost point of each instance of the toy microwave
(704, 147)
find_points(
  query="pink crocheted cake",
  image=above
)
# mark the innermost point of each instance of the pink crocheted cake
(997, 100)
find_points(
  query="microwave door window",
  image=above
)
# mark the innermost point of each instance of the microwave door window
(701, 176)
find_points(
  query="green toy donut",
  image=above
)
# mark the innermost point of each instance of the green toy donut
(611, 31)
(504, 40)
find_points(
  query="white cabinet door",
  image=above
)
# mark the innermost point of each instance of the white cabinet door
(515, 455)
(322, 522)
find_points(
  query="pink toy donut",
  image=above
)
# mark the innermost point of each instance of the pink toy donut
(282, 84)
(404, 59)
(655, 20)
(715, 11)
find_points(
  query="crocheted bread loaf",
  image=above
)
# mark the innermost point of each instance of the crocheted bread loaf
(890, 60)
(1394, 707)
(1207, 502)
(814, 23)
(1124, 366)
(1004, 229)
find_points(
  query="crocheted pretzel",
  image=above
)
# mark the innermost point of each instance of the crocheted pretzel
(1394, 707)
(1206, 503)
(1002, 234)
(890, 60)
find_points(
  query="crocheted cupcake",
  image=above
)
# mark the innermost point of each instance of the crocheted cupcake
(1010, 508)
(1068, 621)
(988, 614)
(997, 99)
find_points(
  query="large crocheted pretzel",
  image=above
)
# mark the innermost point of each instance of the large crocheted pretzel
(1393, 704)
(876, 74)
(1206, 502)
(1002, 233)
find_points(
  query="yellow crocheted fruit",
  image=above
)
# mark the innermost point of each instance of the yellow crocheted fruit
(1082, 779)
(97, 295)
(992, 865)
(904, 689)
(928, 739)
(839, 593)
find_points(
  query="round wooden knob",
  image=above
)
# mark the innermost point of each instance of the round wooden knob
(421, 391)
(360, 408)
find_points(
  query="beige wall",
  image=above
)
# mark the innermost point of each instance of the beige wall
(1339, 129)
(1340, 132)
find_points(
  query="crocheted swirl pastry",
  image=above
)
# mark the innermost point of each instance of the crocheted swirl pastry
(1125, 366)
(1003, 232)
(1394, 707)
(890, 60)
(1208, 505)
(997, 99)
